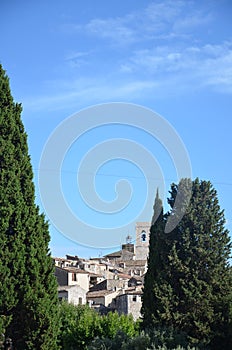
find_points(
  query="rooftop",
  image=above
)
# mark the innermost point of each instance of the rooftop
(72, 269)
(115, 254)
(99, 293)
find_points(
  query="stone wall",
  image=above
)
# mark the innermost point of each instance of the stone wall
(129, 304)
(142, 240)
(62, 276)
(73, 294)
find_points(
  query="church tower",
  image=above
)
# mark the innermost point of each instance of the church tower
(142, 240)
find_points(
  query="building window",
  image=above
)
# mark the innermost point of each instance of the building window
(143, 236)
(80, 301)
(74, 277)
(134, 298)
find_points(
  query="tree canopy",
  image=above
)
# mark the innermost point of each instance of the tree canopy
(188, 283)
(28, 290)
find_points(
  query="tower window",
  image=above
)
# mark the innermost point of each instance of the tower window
(143, 236)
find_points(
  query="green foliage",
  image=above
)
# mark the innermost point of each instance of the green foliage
(80, 325)
(104, 343)
(121, 341)
(142, 341)
(84, 329)
(189, 277)
(176, 348)
(28, 290)
(156, 264)
(112, 323)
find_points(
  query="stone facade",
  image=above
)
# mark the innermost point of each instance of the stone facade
(61, 276)
(70, 276)
(142, 240)
(103, 297)
(73, 294)
(113, 282)
(129, 303)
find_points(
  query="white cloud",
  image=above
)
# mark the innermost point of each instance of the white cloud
(77, 55)
(77, 59)
(113, 29)
(84, 93)
(163, 54)
(159, 20)
(207, 65)
(219, 72)
(192, 21)
(161, 72)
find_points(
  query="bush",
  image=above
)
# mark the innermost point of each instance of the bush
(84, 329)
(167, 337)
(121, 341)
(80, 325)
(114, 343)
(113, 324)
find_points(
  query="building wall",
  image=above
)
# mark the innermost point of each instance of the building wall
(63, 295)
(142, 240)
(111, 285)
(110, 297)
(97, 300)
(121, 304)
(129, 304)
(73, 294)
(129, 247)
(104, 298)
(94, 266)
(134, 305)
(82, 279)
(62, 276)
(127, 255)
(77, 295)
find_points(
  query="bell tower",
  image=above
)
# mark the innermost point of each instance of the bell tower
(142, 240)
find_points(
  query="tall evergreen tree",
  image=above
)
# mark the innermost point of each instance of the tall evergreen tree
(193, 293)
(155, 264)
(28, 291)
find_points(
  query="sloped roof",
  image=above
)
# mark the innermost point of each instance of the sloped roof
(119, 254)
(72, 269)
(60, 259)
(92, 274)
(99, 293)
(114, 254)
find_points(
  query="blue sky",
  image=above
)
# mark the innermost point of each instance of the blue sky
(174, 57)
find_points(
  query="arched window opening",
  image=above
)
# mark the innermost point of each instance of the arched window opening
(143, 236)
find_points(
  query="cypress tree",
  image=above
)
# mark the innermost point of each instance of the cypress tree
(155, 264)
(28, 291)
(194, 293)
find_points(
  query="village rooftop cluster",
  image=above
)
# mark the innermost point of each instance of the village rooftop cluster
(110, 283)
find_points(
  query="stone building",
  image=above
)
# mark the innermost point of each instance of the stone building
(62, 262)
(72, 294)
(101, 297)
(112, 282)
(142, 240)
(70, 276)
(129, 303)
